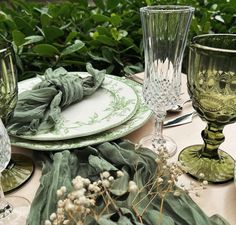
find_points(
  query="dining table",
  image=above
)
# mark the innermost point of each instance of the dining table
(215, 199)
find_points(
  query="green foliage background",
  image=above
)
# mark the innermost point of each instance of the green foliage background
(106, 33)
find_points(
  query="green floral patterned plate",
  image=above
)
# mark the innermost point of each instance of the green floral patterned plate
(111, 105)
(140, 117)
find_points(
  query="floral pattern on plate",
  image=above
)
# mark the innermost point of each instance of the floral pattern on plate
(139, 119)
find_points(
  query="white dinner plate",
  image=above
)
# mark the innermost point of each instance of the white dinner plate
(139, 119)
(111, 105)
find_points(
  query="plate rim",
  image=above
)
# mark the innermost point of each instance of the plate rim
(18, 142)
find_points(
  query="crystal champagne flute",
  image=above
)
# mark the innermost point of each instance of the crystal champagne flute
(165, 29)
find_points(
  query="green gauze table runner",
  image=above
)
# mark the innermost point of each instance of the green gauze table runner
(60, 168)
(39, 109)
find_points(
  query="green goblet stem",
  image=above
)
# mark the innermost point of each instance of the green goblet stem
(213, 137)
(216, 165)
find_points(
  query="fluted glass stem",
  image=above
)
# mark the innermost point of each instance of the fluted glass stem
(158, 139)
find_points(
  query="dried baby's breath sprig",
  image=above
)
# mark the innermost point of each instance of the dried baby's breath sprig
(73, 207)
(164, 182)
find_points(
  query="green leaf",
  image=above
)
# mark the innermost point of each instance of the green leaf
(112, 4)
(4, 16)
(100, 4)
(106, 40)
(46, 19)
(105, 221)
(120, 185)
(107, 53)
(24, 26)
(73, 48)
(118, 34)
(43, 10)
(124, 221)
(100, 18)
(132, 69)
(115, 19)
(33, 39)
(71, 36)
(97, 57)
(100, 164)
(104, 30)
(51, 33)
(233, 29)
(153, 216)
(18, 37)
(45, 50)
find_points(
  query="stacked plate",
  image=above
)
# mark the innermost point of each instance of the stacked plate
(113, 111)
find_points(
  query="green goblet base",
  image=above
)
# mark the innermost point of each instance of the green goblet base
(214, 170)
(19, 170)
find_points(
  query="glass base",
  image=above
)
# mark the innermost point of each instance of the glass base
(215, 171)
(18, 171)
(17, 213)
(151, 142)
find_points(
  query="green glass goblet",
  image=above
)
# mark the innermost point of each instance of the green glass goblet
(20, 167)
(212, 88)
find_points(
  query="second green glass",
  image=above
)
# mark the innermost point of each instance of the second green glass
(212, 87)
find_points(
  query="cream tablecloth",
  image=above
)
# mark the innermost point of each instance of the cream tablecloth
(216, 199)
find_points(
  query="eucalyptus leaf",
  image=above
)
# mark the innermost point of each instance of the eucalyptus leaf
(124, 221)
(104, 220)
(120, 186)
(100, 164)
(155, 217)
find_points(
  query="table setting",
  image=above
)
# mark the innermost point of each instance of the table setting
(111, 150)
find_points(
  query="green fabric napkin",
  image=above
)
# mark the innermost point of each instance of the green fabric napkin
(39, 109)
(60, 168)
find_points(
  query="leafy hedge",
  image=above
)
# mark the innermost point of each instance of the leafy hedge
(106, 33)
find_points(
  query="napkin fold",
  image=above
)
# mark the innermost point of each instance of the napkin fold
(60, 168)
(39, 109)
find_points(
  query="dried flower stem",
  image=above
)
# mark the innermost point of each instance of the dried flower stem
(138, 215)
(161, 211)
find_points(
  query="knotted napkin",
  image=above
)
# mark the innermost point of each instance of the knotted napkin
(39, 109)
(140, 166)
